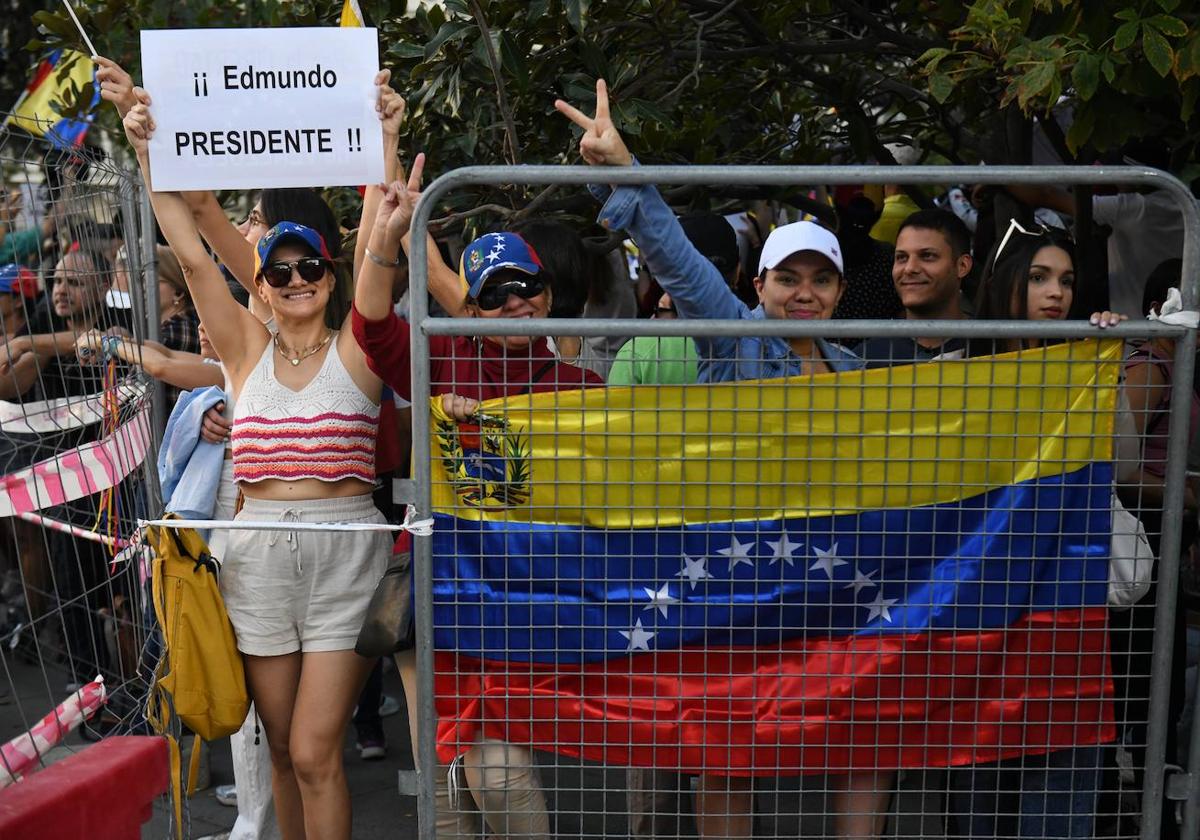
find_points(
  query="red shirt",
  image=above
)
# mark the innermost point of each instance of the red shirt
(466, 366)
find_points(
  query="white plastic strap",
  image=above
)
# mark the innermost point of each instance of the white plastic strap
(418, 527)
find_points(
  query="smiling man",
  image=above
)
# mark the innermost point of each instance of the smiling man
(932, 259)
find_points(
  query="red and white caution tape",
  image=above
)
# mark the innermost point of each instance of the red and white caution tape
(73, 530)
(79, 472)
(45, 416)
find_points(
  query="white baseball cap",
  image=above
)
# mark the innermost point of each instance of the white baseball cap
(799, 236)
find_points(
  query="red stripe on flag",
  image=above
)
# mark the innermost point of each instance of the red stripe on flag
(815, 706)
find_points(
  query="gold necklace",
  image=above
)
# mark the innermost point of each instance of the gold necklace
(298, 356)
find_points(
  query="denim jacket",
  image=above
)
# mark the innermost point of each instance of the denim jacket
(189, 467)
(698, 290)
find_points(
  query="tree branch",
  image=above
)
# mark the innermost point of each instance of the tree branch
(510, 125)
(871, 21)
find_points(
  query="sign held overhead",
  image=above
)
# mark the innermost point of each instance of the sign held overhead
(250, 108)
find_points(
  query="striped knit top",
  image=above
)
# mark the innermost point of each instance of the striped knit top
(326, 430)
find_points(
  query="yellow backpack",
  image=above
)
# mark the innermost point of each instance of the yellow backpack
(199, 677)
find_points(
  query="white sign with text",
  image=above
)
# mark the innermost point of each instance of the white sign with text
(250, 108)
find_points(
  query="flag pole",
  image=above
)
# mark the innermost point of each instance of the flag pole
(91, 47)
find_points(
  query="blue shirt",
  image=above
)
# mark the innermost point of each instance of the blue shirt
(698, 290)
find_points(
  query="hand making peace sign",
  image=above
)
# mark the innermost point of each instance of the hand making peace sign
(601, 144)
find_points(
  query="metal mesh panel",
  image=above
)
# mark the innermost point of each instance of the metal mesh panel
(850, 604)
(75, 432)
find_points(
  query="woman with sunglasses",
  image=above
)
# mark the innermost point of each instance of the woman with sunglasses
(1031, 276)
(503, 277)
(303, 451)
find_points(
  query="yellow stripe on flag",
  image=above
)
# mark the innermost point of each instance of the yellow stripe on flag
(35, 113)
(897, 437)
(351, 14)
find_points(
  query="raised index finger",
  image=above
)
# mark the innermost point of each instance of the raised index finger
(414, 177)
(601, 100)
(575, 115)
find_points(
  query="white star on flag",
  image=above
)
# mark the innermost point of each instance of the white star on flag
(827, 561)
(639, 639)
(861, 581)
(694, 569)
(493, 255)
(784, 550)
(660, 599)
(880, 607)
(737, 553)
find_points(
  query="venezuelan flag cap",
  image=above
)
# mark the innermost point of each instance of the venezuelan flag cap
(18, 280)
(287, 232)
(492, 252)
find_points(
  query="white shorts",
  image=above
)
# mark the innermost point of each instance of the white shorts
(289, 591)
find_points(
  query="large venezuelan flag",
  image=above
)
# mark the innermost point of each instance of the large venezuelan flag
(894, 568)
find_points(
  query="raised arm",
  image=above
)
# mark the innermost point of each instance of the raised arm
(444, 283)
(389, 105)
(373, 291)
(237, 335)
(694, 283)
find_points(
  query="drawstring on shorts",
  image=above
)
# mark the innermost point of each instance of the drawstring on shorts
(293, 538)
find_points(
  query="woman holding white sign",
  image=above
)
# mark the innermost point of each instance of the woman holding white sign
(303, 451)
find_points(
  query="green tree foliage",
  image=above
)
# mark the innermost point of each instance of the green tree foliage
(712, 81)
(1121, 69)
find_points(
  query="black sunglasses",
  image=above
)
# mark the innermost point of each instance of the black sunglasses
(279, 274)
(495, 296)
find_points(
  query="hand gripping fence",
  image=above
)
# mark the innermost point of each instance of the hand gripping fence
(1159, 778)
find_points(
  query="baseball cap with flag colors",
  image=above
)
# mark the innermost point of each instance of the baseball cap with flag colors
(18, 280)
(492, 252)
(287, 232)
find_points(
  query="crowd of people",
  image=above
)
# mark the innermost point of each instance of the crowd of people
(292, 362)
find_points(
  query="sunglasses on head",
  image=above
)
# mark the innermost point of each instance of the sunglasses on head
(1015, 227)
(495, 295)
(279, 274)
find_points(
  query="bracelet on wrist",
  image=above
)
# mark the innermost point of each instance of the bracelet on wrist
(382, 261)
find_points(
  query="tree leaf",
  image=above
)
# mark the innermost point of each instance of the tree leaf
(1109, 68)
(55, 24)
(940, 87)
(1167, 25)
(1128, 13)
(1187, 59)
(932, 56)
(402, 50)
(1158, 51)
(449, 30)
(577, 12)
(1081, 128)
(1125, 36)
(1034, 82)
(1168, 5)
(1085, 76)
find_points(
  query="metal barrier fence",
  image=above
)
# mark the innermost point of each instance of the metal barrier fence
(632, 507)
(78, 436)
